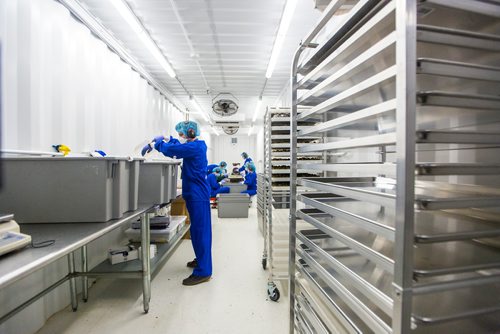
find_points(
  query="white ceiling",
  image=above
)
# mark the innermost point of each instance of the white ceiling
(231, 43)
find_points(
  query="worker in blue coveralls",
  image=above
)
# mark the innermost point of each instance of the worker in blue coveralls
(222, 166)
(250, 179)
(195, 191)
(245, 156)
(215, 187)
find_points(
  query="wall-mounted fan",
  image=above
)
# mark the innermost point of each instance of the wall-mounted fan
(225, 104)
(230, 130)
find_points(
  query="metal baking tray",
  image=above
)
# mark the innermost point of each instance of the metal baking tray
(487, 8)
(430, 227)
(359, 142)
(457, 69)
(370, 113)
(367, 168)
(347, 24)
(429, 195)
(379, 25)
(455, 256)
(324, 307)
(458, 38)
(353, 305)
(382, 53)
(438, 308)
(380, 80)
(458, 100)
(456, 169)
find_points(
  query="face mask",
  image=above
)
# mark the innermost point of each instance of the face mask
(183, 140)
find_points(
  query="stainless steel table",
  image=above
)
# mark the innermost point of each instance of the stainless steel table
(70, 238)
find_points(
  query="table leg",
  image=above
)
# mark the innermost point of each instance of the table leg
(72, 281)
(146, 262)
(85, 279)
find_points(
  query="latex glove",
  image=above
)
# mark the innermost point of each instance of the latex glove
(146, 149)
(158, 139)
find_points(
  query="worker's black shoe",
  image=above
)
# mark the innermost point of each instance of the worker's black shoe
(194, 280)
(192, 264)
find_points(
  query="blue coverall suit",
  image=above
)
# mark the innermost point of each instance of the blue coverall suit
(251, 182)
(210, 168)
(196, 193)
(215, 187)
(242, 168)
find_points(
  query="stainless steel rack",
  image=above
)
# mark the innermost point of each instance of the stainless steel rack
(404, 221)
(275, 184)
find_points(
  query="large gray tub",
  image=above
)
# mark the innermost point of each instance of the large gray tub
(68, 189)
(158, 182)
(236, 188)
(233, 205)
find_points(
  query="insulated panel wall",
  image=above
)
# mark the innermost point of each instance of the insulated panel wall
(60, 84)
(225, 150)
(63, 85)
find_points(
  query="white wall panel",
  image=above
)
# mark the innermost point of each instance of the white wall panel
(226, 151)
(66, 86)
(259, 143)
(62, 85)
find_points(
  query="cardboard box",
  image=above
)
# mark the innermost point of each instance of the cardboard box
(178, 208)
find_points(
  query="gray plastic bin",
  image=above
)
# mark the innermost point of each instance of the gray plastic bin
(158, 182)
(233, 205)
(62, 189)
(236, 188)
(126, 186)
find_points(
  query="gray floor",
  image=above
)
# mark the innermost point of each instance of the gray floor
(234, 301)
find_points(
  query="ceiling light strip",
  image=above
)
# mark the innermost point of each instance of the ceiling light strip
(87, 19)
(286, 18)
(129, 16)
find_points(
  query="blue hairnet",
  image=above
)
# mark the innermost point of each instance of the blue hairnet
(250, 166)
(184, 127)
(217, 170)
(223, 164)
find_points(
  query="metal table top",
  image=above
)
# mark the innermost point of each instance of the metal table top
(69, 237)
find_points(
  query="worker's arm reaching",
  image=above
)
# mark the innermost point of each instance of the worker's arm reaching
(175, 149)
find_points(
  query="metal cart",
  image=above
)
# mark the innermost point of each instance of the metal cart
(406, 223)
(276, 186)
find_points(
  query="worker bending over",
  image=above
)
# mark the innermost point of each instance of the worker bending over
(222, 166)
(195, 191)
(250, 179)
(213, 182)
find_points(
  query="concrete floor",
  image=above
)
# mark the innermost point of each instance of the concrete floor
(234, 301)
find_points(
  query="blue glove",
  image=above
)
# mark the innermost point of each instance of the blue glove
(146, 149)
(158, 139)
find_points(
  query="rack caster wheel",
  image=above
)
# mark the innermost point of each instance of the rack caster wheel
(264, 263)
(274, 294)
